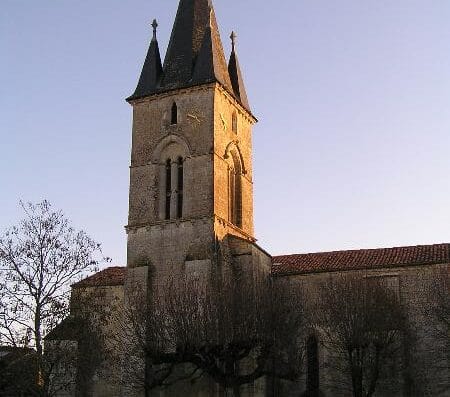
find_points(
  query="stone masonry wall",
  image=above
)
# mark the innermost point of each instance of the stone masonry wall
(428, 361)
(225, 140)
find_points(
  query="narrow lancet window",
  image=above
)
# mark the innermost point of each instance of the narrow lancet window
(180, 185)
(312, 352)
(232, 195)
(174, 114)
(235, 192)
(168, 188)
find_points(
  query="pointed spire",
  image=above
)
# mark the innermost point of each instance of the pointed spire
(195, 50)
(152, 69)
(235, 74)
(194, 56)
(211, 65)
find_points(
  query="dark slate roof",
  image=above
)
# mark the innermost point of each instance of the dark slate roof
(194, 56)
(110, 277)
(151, 72)
(237, 81)
(210, 64)
(286, 265)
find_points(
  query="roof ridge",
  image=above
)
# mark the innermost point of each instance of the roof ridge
(110, 276)
(363, 249)
(361, 259)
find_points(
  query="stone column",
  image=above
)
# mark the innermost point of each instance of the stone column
(162, 191)
(173, 201)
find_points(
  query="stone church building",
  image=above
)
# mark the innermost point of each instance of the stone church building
(191, 187)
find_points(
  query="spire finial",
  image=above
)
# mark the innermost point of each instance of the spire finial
(154, 26)
(233, 38)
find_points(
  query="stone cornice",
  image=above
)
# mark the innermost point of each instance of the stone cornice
(170, 93)
(226, 223)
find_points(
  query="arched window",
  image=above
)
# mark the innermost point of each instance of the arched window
(312, 354)
(174, 114)
(234, 123)
(168, 197)
(180, 183)
(172, 154)
(235, 191)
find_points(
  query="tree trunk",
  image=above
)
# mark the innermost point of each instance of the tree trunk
(375, 373)
(39, 350)
(357, 373)
(236, 391)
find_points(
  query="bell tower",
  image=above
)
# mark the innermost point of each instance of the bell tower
(191, 180)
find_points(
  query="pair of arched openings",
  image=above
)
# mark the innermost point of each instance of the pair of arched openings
(174, 188)
(171, 153)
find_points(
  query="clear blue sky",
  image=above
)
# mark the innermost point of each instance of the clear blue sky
(353, 97)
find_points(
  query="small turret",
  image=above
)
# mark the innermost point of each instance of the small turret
(152, 70)
(235, 73)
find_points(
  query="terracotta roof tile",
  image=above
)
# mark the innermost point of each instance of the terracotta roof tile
(360, 259)
(109, 277)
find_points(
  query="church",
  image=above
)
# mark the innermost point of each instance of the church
(191, 189)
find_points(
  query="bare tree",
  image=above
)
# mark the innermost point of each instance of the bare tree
(39, 259)
(363, 326)
(233, 330)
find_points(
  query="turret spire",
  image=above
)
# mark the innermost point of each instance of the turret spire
(151, 71)
(235, 73)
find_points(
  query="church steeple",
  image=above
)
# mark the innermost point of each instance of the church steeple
(152, 69)
(194, 56)
(191, 174)
(235, 73)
